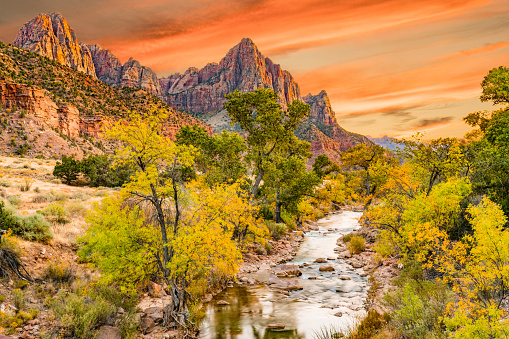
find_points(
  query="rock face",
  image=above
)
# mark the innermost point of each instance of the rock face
(135, 75)
(243, 68)
(246, 69)
(320, 110)
(65, 119)
(50, 35)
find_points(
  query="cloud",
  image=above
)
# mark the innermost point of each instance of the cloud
(433, 122)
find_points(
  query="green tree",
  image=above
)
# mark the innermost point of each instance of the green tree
(68, 169)
(269, 128)
(324, 166)
(495, 86)
(366, 156)
(220, 157)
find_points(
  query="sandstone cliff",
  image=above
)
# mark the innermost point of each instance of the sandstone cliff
(320, 110)
(50, 35)
(243, 68)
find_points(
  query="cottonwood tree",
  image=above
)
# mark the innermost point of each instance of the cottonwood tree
(158, 228)
(269, 128)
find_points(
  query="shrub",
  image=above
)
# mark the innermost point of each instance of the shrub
(59, 273)
(347, 238)
(25, 185)
(56, 213)
(32, 228)
(76, 209)
(418, 305)
(61, 196)
(370, 325)
(5, 183)
(40, 198)
(15, 201)
(81, 315)
(19, 299)
(67, 170)
(276, 230)
(80, 196)
(356, 244)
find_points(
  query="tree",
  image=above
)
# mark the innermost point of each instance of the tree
(440, 158)
(68, 169)
(324, 166)
(269, 129)
(220, 157)
(495, 86)
(366, 156)
(98, 168)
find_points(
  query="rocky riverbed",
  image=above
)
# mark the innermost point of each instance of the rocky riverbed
(314, 283)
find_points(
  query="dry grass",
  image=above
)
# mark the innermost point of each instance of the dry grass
(76, 201)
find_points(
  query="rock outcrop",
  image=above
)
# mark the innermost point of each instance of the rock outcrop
(243, 68)
(320, 110)
(65, 119)
(50, 35)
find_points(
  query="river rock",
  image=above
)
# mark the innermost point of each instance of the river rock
(222, 303)
(147, 325)
(320, 261)
(312, 278)
(109, 332)
(344, 277)
(338, 314)
(288, 271)
(326, 269)
(288, 284)
(156, 313)
(276, 326)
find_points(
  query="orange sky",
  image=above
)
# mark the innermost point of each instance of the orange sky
(389, 66)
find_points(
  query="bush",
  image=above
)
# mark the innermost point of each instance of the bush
(80, 196)
(5, 183)
(76, 209)
(56, 213)
(59, 273)
(370, 325)
(15, 201)
(418, 305)
(32, 228)
(25, 185)
(277, 231)
(41, 198)
(356, 244)
(81, 315)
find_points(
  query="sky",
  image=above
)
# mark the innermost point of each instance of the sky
(390, 67)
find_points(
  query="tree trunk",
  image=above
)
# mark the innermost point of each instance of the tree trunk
(176, 313)
(368, 188)
(278, 208)
(257, 182)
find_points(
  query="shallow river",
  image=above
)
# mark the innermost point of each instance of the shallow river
(304, 313)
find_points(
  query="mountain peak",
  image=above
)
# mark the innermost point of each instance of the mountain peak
(50, 35)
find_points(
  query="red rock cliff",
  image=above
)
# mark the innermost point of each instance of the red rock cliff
(243, 68)
(50, 35)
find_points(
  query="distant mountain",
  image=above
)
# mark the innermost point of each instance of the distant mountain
(199, 92)
(386, 142)
(50, 35)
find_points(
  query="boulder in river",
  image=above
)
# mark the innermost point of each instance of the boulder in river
(326, 269)
(222, 303)
(288, 271)
(320, 260)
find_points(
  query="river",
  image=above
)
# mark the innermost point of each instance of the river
(304, 313)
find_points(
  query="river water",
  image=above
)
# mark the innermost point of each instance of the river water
(304, 313)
